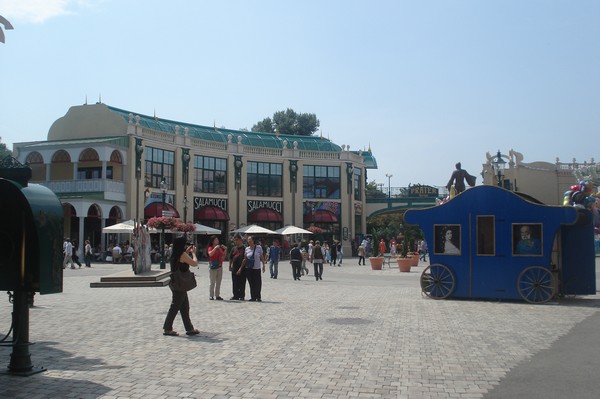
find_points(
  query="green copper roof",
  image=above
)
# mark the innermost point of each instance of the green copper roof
(270, 140)
(370, 161)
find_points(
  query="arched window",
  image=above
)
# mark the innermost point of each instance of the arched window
(89, 155)
(115, 157)
(89, 166)
(94, 211)
(61, 156)
(34, 158)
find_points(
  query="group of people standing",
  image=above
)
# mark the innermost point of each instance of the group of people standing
(246, 264)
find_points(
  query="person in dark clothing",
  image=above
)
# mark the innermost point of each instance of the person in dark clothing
(296, 261)
(75, 254)
(181, 259)
(235, 263)
(333, 250)
(317, 258)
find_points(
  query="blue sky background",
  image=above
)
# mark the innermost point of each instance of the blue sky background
(424, 83)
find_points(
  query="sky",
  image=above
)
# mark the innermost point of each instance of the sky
(423, 83)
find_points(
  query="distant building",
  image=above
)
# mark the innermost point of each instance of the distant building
(218, 177)
(545, 181)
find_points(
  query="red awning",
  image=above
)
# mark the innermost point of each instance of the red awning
(265, 215)
(155, 209)
(210, 213)
(320, 216)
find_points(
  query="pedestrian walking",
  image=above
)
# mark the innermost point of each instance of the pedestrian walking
(75, 254)
(340, 253)
(68, 254)
(317, 259)
(274, 257)
(423, 250)
(304, 259)
(181, 260)
(334, 253)
(87, 254)
(361, 254)
(296, 261)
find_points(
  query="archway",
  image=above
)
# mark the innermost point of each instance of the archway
(92, 225)
(71, 224)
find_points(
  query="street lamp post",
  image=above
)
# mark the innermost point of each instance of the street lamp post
(389, 176)
(185, 206)
(185, 157)
(163, 189)
(293, 187)
(238, 164)
(498, 164)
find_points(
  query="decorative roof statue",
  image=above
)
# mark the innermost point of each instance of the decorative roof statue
(458, 179)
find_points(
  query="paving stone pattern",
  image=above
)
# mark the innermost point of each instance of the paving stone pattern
(357, 334)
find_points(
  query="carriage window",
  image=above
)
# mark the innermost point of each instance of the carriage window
(527, 239)
(486, 236)
(447, 239)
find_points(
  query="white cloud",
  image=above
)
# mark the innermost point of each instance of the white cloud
(37, 11)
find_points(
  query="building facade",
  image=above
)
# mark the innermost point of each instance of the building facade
(108, 165)
(544, 181)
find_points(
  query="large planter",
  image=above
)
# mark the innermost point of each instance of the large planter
(376, 262)
(415, 260)
(404, 264)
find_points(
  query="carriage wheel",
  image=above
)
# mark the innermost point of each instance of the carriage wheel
(536, 284)
(437, 281)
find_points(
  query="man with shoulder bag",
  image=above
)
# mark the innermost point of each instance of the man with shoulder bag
(238, 276)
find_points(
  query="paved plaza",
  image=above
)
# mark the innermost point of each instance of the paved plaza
(357, 334)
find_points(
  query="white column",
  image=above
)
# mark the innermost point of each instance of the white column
(102, 236)
(103, 170)
(81, 238)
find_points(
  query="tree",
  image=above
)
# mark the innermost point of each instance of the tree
(4, 151)
(266, 125)
(289, 122)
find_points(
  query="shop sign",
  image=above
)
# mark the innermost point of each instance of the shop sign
(422, 191)
(201, 202)
(254, 205)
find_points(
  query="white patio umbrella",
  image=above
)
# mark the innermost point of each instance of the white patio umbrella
(253, 229)
(123, 227)
(291, 230)
(202, 229)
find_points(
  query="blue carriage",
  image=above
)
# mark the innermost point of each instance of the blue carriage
(489, 242)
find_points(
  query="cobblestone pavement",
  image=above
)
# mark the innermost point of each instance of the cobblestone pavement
(357, 334)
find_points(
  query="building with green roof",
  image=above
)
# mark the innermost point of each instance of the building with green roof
(108, 165)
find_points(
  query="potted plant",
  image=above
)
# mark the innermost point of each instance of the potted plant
(376, 262)
(404, 260)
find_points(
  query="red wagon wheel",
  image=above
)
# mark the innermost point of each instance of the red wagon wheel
(536, 284)
(437, 281)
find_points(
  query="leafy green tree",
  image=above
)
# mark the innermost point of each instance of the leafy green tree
(289, 122)
(374, 191)
(266, 125)
(4, 151)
